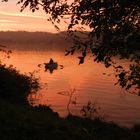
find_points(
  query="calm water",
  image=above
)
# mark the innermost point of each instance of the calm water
(88, 80)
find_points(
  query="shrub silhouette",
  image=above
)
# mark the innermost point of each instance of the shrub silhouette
(15, 86)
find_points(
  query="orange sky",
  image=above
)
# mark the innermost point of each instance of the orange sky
(12, 19)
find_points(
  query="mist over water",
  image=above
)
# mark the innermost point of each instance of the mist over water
(31, 49)
(35, 40)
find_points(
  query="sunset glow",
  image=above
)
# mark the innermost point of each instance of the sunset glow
(69, 70)
(12, 19)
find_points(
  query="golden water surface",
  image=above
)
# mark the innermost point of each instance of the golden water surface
(88, 80)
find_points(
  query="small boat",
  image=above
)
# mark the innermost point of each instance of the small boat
(51, 65)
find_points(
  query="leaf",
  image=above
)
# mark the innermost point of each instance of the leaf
(67, 53)
(107, 65)
(57, 28)
(33, 10)
(119, 67)
(72, 51)
(81, 59)
(122, 75)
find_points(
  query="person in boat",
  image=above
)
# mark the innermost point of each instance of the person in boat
(51, 61)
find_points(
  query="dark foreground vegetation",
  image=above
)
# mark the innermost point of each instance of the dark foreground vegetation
(19, 120)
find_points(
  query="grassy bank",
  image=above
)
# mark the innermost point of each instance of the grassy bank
(20, 121)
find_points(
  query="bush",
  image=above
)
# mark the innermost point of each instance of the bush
(14, 86)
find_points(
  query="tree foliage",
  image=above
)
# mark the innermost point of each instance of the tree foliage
(113, 30)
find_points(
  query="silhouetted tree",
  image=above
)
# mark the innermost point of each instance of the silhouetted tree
(113, 30)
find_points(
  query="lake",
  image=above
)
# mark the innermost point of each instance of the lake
(91, 82)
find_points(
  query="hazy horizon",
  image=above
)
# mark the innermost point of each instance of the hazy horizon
(23, 40)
